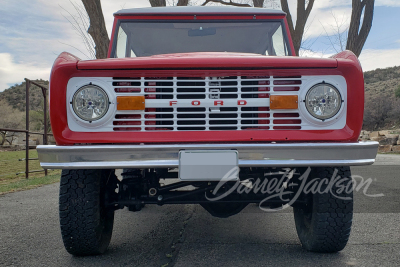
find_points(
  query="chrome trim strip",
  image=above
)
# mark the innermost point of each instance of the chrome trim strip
(162, 156)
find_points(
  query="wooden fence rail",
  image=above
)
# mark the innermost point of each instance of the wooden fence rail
(26, 131)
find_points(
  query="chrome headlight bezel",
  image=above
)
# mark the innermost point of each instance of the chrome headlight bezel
(339, 100)
(106, 102)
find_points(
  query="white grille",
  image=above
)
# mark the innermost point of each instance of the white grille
(160, 115)
(184, 104)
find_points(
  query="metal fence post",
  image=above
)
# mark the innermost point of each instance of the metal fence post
(28, 84)
(44, 91)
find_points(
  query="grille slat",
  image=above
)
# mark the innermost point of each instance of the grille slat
(227, 103)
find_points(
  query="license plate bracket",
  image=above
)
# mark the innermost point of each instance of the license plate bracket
(208, 165)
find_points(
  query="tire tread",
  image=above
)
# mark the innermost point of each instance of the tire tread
(331, 217)
(80, 212)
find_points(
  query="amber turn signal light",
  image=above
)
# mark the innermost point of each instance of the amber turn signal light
(284, 102)
(130, 103)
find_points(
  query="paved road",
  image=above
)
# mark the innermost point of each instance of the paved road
(189, 236)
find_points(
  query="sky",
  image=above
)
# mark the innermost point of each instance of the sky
(34, 32)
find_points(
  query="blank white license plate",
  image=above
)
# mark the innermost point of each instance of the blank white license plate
(208, 165)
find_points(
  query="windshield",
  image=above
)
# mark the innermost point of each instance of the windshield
(139, 39)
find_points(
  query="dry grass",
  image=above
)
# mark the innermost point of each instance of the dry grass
(12, 172)
(25, 184)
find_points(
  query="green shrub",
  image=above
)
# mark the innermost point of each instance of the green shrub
(397, 92)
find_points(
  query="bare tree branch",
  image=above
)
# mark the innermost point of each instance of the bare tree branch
(309, 7)
(258, 3)
(80, 23)
(306, 44)
(183, 3)
(357, 37)
(76, 49)
(155, 3)
(97, 27)
(303, 13)
(332, 43)
(338, 39)
(230, 3)
(285, 8)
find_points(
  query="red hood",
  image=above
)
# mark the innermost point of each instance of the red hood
(207, 60)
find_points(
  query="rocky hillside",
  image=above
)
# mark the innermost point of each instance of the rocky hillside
(380, 75)
(15, 96)
(382, 81)
(382, 87)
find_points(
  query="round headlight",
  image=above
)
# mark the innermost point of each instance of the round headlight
(323, 101)
(90, 103)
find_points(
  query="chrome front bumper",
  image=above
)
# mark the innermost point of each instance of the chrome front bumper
(166, 156)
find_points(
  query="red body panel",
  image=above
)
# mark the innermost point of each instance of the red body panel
(209, 61)
(66, 67)
(290, 38)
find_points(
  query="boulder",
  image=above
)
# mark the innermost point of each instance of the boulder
(385, 149)
(388, 141)
(383, 133)
(398, 142)
(377, 139)
(365, 137)
(396, 148)
(373, 134)
(392, 136)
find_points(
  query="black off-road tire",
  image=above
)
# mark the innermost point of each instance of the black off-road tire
(86, 223)
(324, 224)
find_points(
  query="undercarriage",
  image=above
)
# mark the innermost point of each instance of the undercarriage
(272, 188)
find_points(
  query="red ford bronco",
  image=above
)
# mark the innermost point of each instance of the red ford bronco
(212, 100)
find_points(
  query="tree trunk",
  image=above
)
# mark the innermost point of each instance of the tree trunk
(183, 3)
(357, 37)
(226, 3)
(97, 28)
(258, 3)
(155, 3)
(303, 13)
